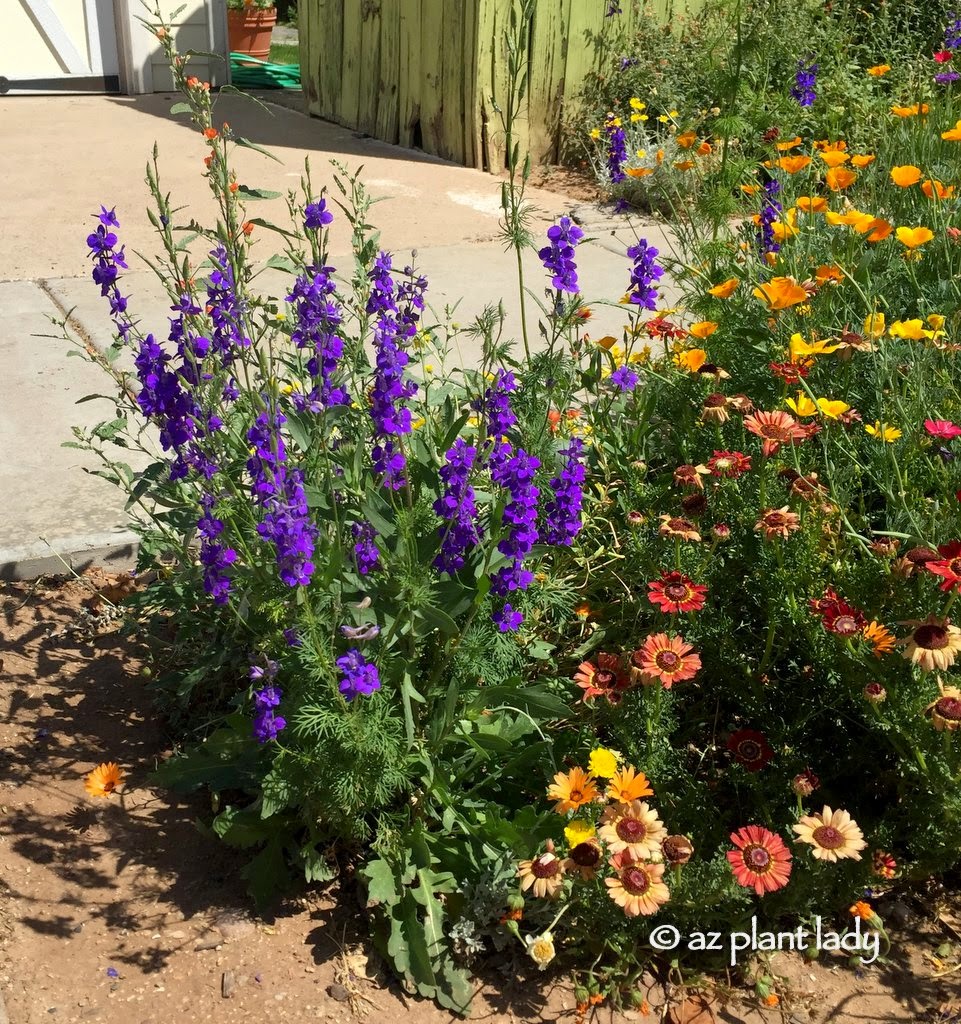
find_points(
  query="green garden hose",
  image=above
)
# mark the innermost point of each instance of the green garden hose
(247, 72)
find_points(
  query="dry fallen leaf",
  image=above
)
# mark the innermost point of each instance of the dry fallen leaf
(694, 1010)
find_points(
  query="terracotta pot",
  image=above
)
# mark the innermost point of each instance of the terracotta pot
(249, 31)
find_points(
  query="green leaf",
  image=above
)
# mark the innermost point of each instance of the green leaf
(537, 701)
(181, 108)
(316, 866)
(270, 226)
(435, 618)
(105, 431)
(246, 192)
(90, 398)
(279, 262)
(382, 887)
(247, 144)
(267, 872)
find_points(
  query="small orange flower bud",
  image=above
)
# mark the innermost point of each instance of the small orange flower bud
(210, 133)
(161, 33)
(233, 186)
(247, 228)
(208, 160)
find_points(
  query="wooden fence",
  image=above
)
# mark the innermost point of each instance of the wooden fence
(432, 73)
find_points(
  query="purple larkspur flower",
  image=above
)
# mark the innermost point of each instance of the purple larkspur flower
(456, 506)
(507, 619)
(495, 407)
(279, 490)
(366, 552)
(515, 471)
(624, 378)
(226, 308)
(770, 212)
(108, 262)
(628, 62)
(360, 676)
(558, 257)
(616, 150)
(216, 558)
(946, 77)
(952, 32)
(805, 79)
(317, 327)
(292, 638)
(613, 7)
(316, 215)
(390, 390)
(562, 513)
(266, 722)
(643, 274)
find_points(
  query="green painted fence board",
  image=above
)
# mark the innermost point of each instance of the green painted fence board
(408, 74)
(387, 112)
(351, 68)
(368, 100)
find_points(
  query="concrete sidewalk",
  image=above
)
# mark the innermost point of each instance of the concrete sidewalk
(64, 156)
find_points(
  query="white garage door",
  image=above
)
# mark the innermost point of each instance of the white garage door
(58, 46)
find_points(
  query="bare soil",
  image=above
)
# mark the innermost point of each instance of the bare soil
(124, 912)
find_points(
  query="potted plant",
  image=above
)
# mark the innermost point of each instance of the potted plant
(250, 24)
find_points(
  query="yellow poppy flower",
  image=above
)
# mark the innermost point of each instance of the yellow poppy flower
(825, 274)
(935, 189)
(883, 432)
(639, 172)
(874, 325)
(936, 321)
(839, 178)
(702, 329)
(800, 347)
(691, 360)
(683, 165)
(802, 405)
(877, 230)
(912, 111)
(909, 330)
(832, 409)
(780, 293)
(686, 139)
(953, 134)
(725, 289)
(905, 175)
(787, 144)
(911, 238)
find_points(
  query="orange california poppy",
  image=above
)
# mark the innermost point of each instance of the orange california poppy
(780, 293)
(839, 178)
(905, 175)
(793, 164)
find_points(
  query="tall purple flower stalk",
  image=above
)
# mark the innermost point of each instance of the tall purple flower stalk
(267, 723)
(952, 32)
(279, 491)
(108, 262)
(562, 513)
(558, 257)
(461, 531)
(515, 471)
(770, 212)
(216, 558)
(317, 320)
(390, 390)
(643, 274)
(495, 406)
(616, 150)
(366, 552)
(227, 309)
(805, 79)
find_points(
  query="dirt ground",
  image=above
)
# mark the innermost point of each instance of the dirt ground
(123, 912)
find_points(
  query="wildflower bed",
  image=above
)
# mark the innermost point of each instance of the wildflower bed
(693, 584)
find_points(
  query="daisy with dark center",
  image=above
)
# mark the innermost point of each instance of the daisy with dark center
(607, 678)
(933, 645)
(883, 864)
(791, 373)
(584, 859)
(874, 693)
(628, 785)
(675, 593)
(843, 619)
(761, 861)
(677, 850)
(638, 885)
(690, 476)
(750, 748)
(674, 526)
(664, 659)
(949, 567)
(715, 408)
(572, 789)
(544, 874)
(694, 504)
(880, 638)
(104, 779)
(778, 522)
(635, 827)
(775, 429)
(914, 561)
(832, 835)
(729, 465)
(945, 712)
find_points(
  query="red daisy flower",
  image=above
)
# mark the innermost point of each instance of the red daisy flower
(664, 659)
(943, 429)
(943, 56)
(790, 373)
(607, 678)
(750, 748)
(729, 464)
(837, 615)
(949, 567)
(761, 861)
(674, 593)
(776, 428)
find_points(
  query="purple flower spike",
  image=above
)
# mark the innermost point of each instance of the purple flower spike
(558, 257)
(643, 275)
(360, 676)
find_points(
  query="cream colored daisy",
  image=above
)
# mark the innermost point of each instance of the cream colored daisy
(635, 827)
(544, 874)
(833, 835)
(934, 644)
(637, 886)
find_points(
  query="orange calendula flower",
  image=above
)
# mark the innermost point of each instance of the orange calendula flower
(572, 790)
(702, 329)
(838, 178)
(878, 70)
(861, 160)
(905, 175)
(862, 910)
(911, 238)
(880, 638)
(104, 779)
(793, 164)
(812, 204)
(780, 293)
(725, 289)
(665, 659)
(627, 784)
